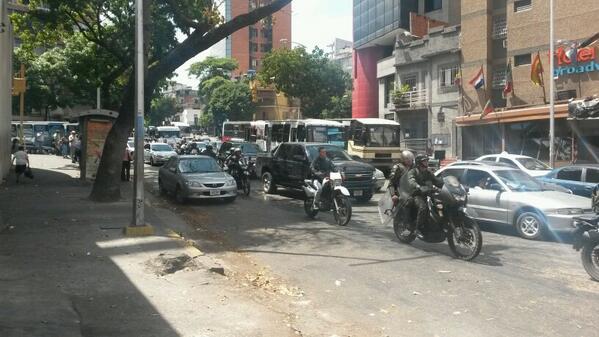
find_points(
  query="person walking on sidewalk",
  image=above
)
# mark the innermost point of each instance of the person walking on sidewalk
(21, 160)
(72, 138)
(126, 167)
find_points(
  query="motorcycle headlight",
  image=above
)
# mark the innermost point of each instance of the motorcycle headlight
(569, 211)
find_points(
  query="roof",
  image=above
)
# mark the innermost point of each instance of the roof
(322, 122)
(476, 163)
(493, 167)
(506, 155)
(167, 128)
(376, 121)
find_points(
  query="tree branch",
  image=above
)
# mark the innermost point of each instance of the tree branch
(199, 41)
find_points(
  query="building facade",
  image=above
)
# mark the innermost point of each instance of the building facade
(342, 54)
(511, 33)
(6, 47)
(249, 44)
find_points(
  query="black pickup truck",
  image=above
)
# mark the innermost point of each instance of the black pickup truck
(289, 164)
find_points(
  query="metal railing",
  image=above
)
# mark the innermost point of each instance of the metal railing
(414, 99)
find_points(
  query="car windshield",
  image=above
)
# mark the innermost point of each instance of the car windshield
(533, 164)
(168, 134)
(333, 152)
(199, 165)
(519, 181)
(161, 148)
(250, 149)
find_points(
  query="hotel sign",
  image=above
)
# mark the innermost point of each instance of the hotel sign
(575, 61)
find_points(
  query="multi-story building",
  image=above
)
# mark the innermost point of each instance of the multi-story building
(249, 45)
(342, 54)
(499, 33)
(6, 47)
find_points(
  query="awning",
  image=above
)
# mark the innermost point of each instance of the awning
(515, 115)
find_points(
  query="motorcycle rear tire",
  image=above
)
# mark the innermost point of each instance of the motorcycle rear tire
(399, 226)
(310, 211)
(343, 201)
(477, 236)
(245, 184)
(587, 259)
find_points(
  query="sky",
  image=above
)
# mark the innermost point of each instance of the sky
(314, 23)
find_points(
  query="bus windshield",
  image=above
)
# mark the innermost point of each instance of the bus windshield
(379, 136)
(168, 134)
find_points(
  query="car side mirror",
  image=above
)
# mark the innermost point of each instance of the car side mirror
(496, 187)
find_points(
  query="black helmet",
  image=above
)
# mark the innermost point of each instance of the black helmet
(421, 158)
(208, 147)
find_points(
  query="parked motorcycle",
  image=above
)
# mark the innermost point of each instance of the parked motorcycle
(447, 220)
(240, 170)
(337, 200)
(586, 238)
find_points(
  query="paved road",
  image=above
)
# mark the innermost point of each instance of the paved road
(363, 282)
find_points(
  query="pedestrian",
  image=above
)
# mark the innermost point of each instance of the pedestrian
(72, 145)
(77, 146)
(64, 146)
(15, 146)
(126, 167)
(21, 161)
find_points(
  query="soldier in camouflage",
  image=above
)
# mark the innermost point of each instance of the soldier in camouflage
(404, 165)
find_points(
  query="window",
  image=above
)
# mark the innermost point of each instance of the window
(411, 80)
(447, 76)
(572, 174)
(479, 179)
(253, 47)
(521, 60)
(522, 5)
(592, 176)
(508, 162)
(284, 151)
(499, 27)
(490, 159)
(432, 5)
(253, 32)
(266, 48)
(458, 173)
(389, 86)
(499, 77)
(298, 152)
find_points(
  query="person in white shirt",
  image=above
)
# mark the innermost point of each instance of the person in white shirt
(21, 161)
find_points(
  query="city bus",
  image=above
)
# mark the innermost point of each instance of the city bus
(184, 127)
(374, 140)
(308, 130)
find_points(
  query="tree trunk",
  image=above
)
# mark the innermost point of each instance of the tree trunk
(108, 179)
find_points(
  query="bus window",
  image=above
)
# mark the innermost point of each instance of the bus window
(384, 136)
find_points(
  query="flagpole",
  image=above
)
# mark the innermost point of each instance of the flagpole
(551, 88)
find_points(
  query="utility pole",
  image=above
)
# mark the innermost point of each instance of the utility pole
(551, 87)
(21, 89)
(138, 196)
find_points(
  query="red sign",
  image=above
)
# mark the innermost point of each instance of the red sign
(582, 55)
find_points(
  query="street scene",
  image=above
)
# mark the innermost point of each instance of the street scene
(234, 168)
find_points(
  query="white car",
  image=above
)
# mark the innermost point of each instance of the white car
(158, 153)
(532, 166)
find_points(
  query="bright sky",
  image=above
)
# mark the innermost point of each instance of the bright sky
(315, 23)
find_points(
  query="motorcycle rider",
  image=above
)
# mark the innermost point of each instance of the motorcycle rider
(321, 167)
(414, 186)
(404, 165)
(233, 163)
(208, 151)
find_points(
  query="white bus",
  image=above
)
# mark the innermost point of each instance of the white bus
(183, 127)
(307, 130)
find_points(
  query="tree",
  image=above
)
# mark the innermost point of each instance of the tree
(311, 77)
(162, 107)
(339, 107)
(212, 73)
(109, 26)
(233, 101)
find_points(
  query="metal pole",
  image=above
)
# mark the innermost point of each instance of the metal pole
(98, 94)
(138, 189)
(551, 88)
(22, 108)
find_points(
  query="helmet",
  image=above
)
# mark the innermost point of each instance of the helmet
(237, 150)
(208, 147)
(421, 159)
(407, 156)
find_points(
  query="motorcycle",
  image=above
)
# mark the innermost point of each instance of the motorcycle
(241, 172)
(586, 238)
(337, 200)
(447, 220)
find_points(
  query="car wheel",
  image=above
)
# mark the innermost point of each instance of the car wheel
(530, 226)
(268, 183)
(179, 197)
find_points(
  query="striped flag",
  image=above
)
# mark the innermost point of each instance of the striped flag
(487, 109)
(478, 81)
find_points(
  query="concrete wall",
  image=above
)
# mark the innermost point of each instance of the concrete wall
(449, 12)
(6, 41)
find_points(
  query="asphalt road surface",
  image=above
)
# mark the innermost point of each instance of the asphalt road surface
(360, 281)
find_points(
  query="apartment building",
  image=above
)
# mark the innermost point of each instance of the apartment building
(499, 33)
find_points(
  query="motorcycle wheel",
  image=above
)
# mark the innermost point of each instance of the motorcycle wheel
(245, 183)
(471, 240)
(399, 225)
(310, 212)
(590, 259)
(343, 214)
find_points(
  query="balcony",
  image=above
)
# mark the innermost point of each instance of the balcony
(416, 99)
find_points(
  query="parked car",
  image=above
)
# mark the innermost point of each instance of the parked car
(158, 153)
(195, 177)
(508, 195)
(289, 164)
(580, 179)
(532, 166)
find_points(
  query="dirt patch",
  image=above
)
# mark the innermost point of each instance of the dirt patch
(166, 264)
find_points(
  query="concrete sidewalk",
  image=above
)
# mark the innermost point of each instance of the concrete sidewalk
(67, 270)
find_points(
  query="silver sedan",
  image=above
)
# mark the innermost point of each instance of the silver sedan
(507, 195)
(196, 177)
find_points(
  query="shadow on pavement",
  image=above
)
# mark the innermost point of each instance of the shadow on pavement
(56, 280)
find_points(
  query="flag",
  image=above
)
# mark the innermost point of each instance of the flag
(508, 88)
(536, 71)
(487, 109)
(479, 80)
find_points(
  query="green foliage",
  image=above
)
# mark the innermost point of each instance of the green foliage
(398, 94)
(213, 67)
(162, 107)
(232, 101)
(339, 107)
(311, 77)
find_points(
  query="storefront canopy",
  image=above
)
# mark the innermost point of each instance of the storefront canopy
(515, 115)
